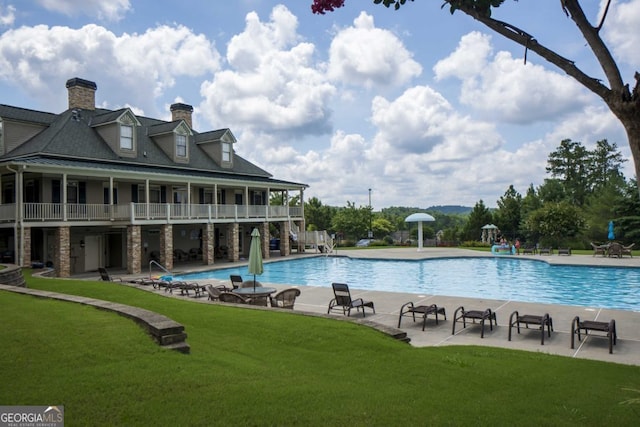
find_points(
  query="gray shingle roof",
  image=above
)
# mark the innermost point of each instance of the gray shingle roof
(74, 138)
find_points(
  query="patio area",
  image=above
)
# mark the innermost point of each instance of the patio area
(314, 301)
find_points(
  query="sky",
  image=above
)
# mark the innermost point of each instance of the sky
(413, 108)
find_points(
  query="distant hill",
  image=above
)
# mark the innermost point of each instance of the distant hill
(451, 209)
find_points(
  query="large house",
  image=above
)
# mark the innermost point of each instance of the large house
(92, 187)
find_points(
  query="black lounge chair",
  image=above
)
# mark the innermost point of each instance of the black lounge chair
(285, 299)
(409, 309)
(564, 251)
(530, 319)
(609, 328)
(344, 302)
(104, 275)
(474, 315)
(545, 251)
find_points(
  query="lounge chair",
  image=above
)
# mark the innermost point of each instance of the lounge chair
(409, 309)
(545, 251)
(233, 298)
(599, 249)
(104, 275)
(344, 302)
(474, 315)
(285, 299)
(609, 328)
(528, 319)
(626, 250)
(530, 250)
(236, 281)
(564, 251)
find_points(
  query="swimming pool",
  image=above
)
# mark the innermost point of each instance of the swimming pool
(493, 278)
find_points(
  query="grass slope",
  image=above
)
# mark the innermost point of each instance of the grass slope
(250, 367)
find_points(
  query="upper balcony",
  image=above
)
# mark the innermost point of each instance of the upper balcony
(139, 213)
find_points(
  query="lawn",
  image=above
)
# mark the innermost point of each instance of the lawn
(250, 367)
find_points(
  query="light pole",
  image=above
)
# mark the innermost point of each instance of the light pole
(370, 217)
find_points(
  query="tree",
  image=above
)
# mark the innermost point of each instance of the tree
(316, 215)
(555, 223)
(508, 215)
(352, 222)
(479, 216)
(605, 162)
(622, 101)
(569, 163)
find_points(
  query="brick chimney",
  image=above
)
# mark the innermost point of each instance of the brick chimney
(82, 94)
(181, 111)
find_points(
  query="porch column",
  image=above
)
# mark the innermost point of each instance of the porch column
(134, 249)
(26, 246)
(265, 236)
(166, 246)
(62, 255)
(234, 244)
(208, 244)
(285, 232)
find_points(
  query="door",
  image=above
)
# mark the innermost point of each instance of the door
(92, 253)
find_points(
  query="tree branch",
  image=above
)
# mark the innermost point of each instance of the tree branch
(526, 40)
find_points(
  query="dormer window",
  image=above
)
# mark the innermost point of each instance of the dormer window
(226, 152)
(181, 145)
(126, 137)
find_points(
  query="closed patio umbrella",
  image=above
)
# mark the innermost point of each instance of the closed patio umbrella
(611, 235)
(255, 256)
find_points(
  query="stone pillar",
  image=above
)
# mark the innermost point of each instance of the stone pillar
(208, 243)
(134, 249)
(26, 247)
(234, 244)
(265, 236)
(166, 246)
(62, 256)
(285, 233)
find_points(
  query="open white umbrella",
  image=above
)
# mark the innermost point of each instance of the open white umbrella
(419, 218)
(255, 256)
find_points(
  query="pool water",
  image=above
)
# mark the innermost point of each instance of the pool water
(492, 278)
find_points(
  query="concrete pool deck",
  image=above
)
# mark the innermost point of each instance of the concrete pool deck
(627, 350)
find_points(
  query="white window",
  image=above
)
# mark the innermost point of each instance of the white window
(226, 152)
(181, 145)
(126, 137)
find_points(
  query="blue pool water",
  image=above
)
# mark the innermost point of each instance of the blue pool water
(493, 278)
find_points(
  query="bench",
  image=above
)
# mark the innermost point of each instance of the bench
(609, 328)
(530, 319)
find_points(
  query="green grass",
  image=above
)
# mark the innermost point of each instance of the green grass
(250, 367)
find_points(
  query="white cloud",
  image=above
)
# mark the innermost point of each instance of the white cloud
(422, 122)
(112, 10)
(504, 88)
(621, 29)
(366, 55)
(273, 84)
(129, 67)
(7, 15)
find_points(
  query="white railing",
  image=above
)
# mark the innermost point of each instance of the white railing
(144, 212)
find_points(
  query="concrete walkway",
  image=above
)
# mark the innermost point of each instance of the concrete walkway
(388, 304)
